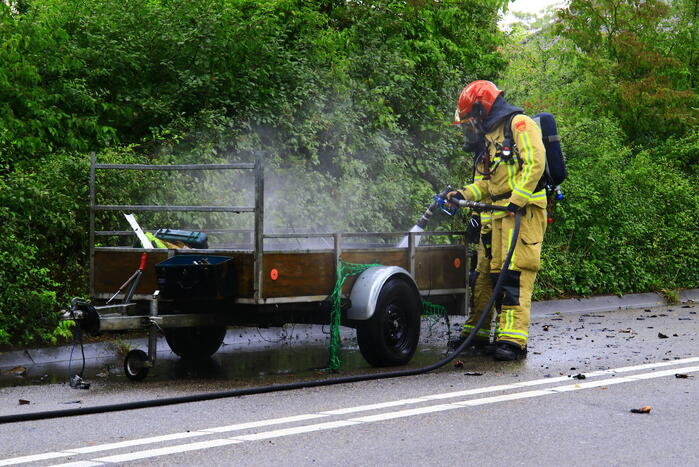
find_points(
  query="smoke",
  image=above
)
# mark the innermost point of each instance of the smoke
(326, 171)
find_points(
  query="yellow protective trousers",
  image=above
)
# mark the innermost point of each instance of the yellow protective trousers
(514, 304)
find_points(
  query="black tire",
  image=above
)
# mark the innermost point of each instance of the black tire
(136, 365)
(390, 337)
(198, 342)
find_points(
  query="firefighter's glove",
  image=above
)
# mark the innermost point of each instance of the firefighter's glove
(512, 208)
(454, 195)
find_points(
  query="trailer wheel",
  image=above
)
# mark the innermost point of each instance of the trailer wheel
(390, 337)
(194, 343)
(136, 365)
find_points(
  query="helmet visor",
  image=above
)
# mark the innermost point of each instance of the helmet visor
(472, 131)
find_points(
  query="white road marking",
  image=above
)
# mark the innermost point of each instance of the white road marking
(593, 384)
(664, 373)
(392, 415)
(382, 405)
(379, 417)
(295, 430)
(79, 464)
(261, 423)
(648, 366)
(33, 458)
(214, 443)
(137, 442)
(505, 397)
(404, 413)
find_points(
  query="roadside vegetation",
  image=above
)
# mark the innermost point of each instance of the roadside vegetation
(351, 103)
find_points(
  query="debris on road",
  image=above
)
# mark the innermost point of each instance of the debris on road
(473, 373)
(681, 375)
(23, 402)
(644, 409)
(43, 379)
(580, 376)
(76, 382)
(545, 327)
(17, 371)
(458, 364)
(662, 336)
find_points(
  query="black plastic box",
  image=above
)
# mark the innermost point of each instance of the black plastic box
(196, 277)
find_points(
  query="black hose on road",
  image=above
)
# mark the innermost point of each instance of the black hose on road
(281, 387)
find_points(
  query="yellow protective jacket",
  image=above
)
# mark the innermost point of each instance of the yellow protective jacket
(520, 177)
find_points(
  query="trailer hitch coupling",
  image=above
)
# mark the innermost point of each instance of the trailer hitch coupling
(84, 314)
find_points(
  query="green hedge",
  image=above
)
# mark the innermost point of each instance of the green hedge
(628, 222)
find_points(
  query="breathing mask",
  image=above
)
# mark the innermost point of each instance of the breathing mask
(473, 133)
(472, 127)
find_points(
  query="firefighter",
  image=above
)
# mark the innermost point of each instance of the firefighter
(511, 173)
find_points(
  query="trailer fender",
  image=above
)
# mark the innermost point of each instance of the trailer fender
(367, 287)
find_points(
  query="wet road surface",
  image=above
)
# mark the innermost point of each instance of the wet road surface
(524, 413)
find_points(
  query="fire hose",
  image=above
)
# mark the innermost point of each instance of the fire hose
(302, 384)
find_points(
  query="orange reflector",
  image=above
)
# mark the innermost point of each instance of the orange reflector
(457, 263)
(274, 274)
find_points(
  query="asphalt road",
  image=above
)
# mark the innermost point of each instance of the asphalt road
(531, 412)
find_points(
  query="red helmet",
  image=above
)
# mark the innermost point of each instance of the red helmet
(476, 99)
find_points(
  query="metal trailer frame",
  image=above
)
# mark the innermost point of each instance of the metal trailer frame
(258, 232)
(116, 317)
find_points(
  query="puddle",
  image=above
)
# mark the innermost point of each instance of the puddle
(251, 356)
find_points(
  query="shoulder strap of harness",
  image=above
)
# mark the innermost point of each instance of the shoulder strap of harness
(509, 148)
(508, 126)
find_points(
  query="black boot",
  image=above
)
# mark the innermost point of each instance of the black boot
(479, 346)
(507, 351)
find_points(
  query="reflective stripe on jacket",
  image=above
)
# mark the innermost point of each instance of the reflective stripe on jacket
(519, 177)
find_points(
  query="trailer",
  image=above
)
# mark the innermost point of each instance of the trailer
(192, 295)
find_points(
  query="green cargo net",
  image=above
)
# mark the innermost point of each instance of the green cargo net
(344, 270)
(434, 313)
(431, 311)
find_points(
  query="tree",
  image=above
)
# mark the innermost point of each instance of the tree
(649, 84)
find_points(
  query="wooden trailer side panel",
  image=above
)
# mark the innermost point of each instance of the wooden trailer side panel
(385, 258)
(441, 268)
(290, 274)
(112, 268)
(298, 274)
(309, 274)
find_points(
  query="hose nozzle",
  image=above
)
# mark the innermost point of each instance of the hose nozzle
(441, 201)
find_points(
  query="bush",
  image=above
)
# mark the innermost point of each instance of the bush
(28, 305)
(627, 222)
